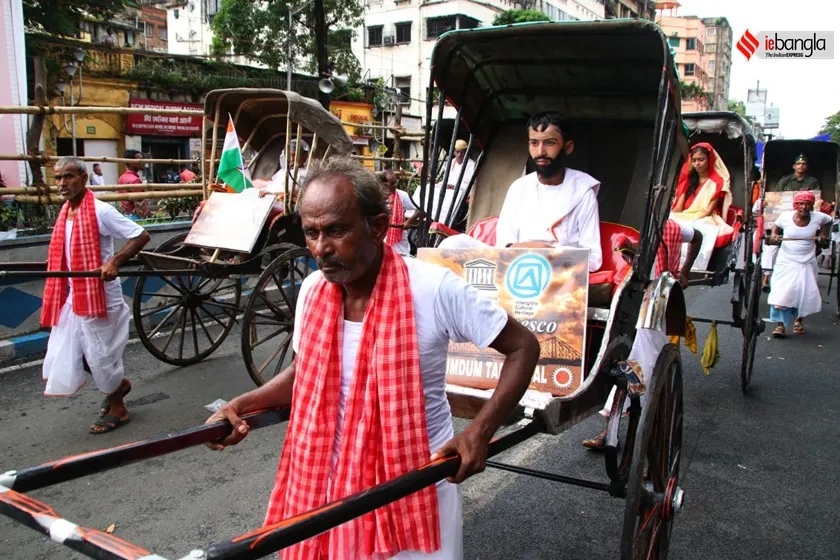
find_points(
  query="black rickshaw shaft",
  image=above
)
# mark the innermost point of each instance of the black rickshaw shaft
(43, 518)
(296, 529)
(448, 170)
(78, 466)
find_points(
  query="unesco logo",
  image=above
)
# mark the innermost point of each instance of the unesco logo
(528, 276)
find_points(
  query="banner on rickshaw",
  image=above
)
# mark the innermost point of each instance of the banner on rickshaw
(230, 221)
(777, 203)
(545, 290)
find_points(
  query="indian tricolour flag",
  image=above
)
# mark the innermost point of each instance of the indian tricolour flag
(232, 168)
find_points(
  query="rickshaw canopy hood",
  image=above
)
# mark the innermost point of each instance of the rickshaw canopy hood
(267, 110)
(604, 71)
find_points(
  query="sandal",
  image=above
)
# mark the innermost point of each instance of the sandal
(597, 442)
(798, 328)
(105, 405)
(108, 423)
(779, 332)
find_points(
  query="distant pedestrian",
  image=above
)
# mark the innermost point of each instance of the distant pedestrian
(132, 177)
(187, 175)
(88, 316)
(96, 178)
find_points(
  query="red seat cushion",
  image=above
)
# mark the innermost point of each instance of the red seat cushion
(734, 218)
(485, 230)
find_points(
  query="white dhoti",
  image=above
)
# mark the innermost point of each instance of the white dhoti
(768, 256)
(461, 241)
(451, 527)
(710, 234)
(795, 286)
(100, 341)
(645, 351)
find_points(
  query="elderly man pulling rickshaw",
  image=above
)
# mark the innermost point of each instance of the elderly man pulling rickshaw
(794, 293)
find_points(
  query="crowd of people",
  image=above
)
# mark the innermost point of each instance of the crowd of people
(367, 385)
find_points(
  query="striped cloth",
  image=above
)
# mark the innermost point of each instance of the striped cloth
(669, 252)
(88, 293)
(395, 234)
(384, 431)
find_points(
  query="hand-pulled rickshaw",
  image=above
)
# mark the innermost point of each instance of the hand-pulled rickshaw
(188, 296)
(730, 136)
(612, 80)
(824, 166)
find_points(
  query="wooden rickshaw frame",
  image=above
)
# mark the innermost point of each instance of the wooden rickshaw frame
(730, 133)
(642, 466)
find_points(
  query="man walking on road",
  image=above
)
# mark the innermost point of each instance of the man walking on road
(88, 316)
(132, 177)
(367, 384)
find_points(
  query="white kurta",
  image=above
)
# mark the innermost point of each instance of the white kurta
(450, 196)
(100, 341)
(445, 308)
(794, 283)
(564, 215)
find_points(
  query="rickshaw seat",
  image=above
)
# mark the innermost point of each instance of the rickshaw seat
(734, 219)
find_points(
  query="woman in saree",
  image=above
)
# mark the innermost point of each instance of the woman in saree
(703, 198)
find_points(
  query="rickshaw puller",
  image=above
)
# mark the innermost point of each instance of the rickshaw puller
(648, 343)
(88, 316)
(794, 292)
(400, 204)
(553, 207)
(367, 385)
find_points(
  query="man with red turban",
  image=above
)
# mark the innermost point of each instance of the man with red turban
(794, 292)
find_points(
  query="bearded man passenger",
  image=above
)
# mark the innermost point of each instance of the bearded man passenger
(555, 206)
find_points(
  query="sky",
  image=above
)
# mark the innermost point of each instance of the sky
(805, 91)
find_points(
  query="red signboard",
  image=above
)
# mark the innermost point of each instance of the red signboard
(164, 125)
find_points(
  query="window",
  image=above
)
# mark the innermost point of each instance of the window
(674, 42)
(437, 26)
(690, 44)
(163, 34)
(554, 13)
(403, 32)
(712, 66)
(375, 36)
(689, 69)
(710, 48)
(403, 84)
(711, 31)
(148, 29)
(211, 9)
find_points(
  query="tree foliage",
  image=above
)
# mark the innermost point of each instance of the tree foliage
(259, 31)
(62, 17)
(737, 106)
(519, 16)
(832, 126)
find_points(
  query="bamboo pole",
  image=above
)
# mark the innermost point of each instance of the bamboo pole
(97, 159)
(104, 188)
(108, 197)
(82, 110)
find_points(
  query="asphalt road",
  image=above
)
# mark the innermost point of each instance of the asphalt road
(760, 472)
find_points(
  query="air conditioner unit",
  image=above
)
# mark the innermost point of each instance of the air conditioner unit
(389, 40)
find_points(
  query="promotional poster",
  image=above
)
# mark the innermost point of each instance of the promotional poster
(545, 290)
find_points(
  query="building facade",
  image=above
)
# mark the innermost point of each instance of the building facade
(718, 50)
(687, 39)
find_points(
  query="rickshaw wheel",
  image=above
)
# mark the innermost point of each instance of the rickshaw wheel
(752, 328)
(182, 319)
(618, 459)
(653, 493)
(268, 325)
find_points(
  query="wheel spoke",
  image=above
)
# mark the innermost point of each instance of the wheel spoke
(183, 334)
(269, 337)
(172, 332)
(163, 322)
(213, 316)
(270, 359)
(178, 289)
(653, 550)
(158, 294)
(194, 331)
(279, 367)
(204, 328)
(145, 314)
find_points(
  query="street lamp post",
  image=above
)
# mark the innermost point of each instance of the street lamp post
(292, 12)
(70, 70)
